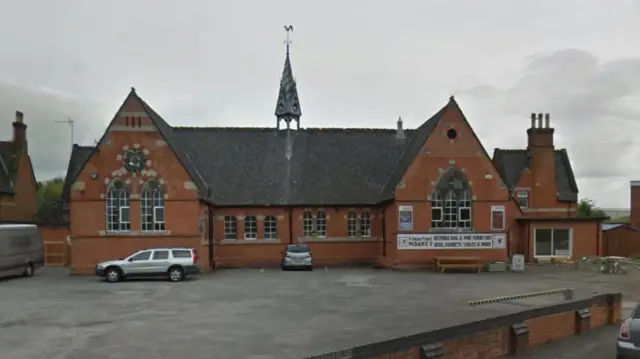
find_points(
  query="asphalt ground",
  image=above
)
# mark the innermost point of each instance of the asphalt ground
(257, 314)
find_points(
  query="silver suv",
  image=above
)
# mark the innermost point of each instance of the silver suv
(175, 263)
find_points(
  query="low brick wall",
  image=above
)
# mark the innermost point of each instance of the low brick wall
(498, 336)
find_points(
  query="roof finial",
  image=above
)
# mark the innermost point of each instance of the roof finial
(287, 41)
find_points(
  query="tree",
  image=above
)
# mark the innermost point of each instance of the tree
(49, 199)
(587, 209)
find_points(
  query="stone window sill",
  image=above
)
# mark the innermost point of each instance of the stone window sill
(134, 233)
(251, 241)
(337, 239)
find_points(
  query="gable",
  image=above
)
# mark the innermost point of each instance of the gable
(433, 143)
(512, 164)
(143, 115)
(6, 184)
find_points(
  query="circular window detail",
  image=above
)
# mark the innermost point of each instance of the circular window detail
(452, 134)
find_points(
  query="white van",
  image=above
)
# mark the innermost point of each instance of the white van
(21, 249)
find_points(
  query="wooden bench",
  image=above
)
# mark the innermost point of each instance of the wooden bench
(442, 263)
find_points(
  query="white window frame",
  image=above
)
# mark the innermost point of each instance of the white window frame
(152, 200)
(228, 234)
(307, 224)
(352, 224)
(465, 202)
(535, 243)
(365, 224)
(117, 199)
(321, 224)
(436, 205)
(522, 194)
(270, 227)
(498, 209)
(253, 235)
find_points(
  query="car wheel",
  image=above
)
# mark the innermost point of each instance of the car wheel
(176, 274)
(28, 272)
(113, 275)
(310, 268)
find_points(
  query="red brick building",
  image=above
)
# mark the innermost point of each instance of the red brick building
(17, 181)
(388, 197)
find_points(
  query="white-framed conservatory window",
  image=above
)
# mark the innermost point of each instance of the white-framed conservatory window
(152, 208)
(118, 208)
(553, 242)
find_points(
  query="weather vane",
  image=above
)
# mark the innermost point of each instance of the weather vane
(287, 41)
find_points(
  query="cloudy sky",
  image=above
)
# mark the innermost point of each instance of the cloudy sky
(358, 64)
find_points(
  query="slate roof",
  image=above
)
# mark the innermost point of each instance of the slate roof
(511, 163)
(79, 156)
(262, 166)
(609, 226)
(6, 178)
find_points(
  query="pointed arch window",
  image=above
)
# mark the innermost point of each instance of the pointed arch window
(152, 210)
(118, 207)
(451, 202)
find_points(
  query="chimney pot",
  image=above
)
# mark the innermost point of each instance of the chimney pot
(547, 119)
(540, 120)
(19, 117)
(533, 120)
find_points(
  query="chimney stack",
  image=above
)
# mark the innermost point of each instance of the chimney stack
(400, 131)
(547, 119)
(19, 132)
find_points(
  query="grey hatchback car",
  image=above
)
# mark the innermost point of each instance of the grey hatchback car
(296, 256)
(629, 337)
(174, 263)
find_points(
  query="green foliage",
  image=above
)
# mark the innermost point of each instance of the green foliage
(49, 199)
(587, 209)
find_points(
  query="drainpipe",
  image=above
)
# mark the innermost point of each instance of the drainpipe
(384, 235)
(210, 225)
(290, 225)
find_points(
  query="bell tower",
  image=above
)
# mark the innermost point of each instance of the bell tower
(288, 104)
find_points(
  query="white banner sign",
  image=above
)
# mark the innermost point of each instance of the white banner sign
(452, 241)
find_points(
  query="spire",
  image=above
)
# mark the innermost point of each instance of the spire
(288, 104)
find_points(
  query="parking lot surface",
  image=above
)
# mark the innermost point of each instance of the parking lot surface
(253, 313)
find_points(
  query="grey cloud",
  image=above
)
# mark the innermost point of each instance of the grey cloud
(593, 106)
(49, 142)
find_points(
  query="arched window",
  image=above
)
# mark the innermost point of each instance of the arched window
(365, 224)
(118, 207)
(270, 227)
(321, 224)
(451, 202)
(250, 227)
(152, 207)
(307, 224)
(352, 224)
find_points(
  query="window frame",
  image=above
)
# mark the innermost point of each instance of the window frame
(270, 227)
(522, 194)
(365, 224)
(152, 201)
(230, 223)
(116, 201)
(352, 224)
(250, 235)
(498, 209)
(130, 259)
(308, 224)
(452, 203)
(553, 230)
(321, 224)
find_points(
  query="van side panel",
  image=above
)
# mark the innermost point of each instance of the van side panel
(20, 246)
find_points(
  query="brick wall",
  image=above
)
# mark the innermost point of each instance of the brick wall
(496, 337)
